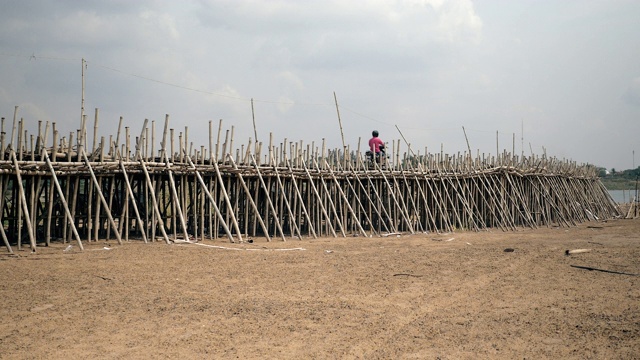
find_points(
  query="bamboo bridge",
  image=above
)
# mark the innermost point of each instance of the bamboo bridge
(129, 189)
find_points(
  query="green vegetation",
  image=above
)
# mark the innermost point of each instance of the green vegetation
(620, 180)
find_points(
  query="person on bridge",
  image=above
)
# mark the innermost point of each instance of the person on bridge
(376, 145)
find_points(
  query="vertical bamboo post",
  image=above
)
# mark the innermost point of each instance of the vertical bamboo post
(67, 186)
(172, 139)
(174, 192)
(393, 197)
(152, 156)
(154, 201)
(2, 139)
(328, 196)
(365, 191)
(95, 132)
(211, 199)
(69, 216)
(320, 202)
(51, 188)
(379, 199)
(253, 116)
(102, 199)
(269, 202)
(132, 196)
(23, 201)
(231, 140)
(89, 205)
(228, 203)
(286, 201)
(344, 146)
(299, 194)
(346, 202)
(13, 129)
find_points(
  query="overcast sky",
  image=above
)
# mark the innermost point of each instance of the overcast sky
(560, 75)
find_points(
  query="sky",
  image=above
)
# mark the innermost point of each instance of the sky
(561, 77)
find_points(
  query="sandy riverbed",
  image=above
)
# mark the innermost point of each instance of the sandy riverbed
(424, 296)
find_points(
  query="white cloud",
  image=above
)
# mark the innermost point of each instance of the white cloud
(285, 104)
(457, 21)
(159, 25)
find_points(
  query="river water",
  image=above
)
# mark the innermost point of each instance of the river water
(623, 196)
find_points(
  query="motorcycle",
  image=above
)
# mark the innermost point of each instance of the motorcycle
(377, 158)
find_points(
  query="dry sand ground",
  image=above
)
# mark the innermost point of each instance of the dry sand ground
(408, 297)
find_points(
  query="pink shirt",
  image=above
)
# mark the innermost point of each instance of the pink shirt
(374, 144)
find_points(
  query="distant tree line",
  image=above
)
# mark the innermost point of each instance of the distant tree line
(619, 180)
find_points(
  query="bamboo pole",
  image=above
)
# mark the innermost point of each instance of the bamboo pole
(5, 240)
(315, 191)
(265, 229)
(299, 195)
(132, 196)
(327, 194)
(378, 200)
(176, 199)
(395, 200)
(2, 139)
(154, 201)
(68, 214)
(68, 187)
(286, 201)
(346, 201)
(24, 203)
(228, 203)
(365, 192)
(269, 202)
(3, 181)
(344, 146)
(102, 199)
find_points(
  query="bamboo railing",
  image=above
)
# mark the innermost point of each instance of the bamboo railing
(62, 190)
